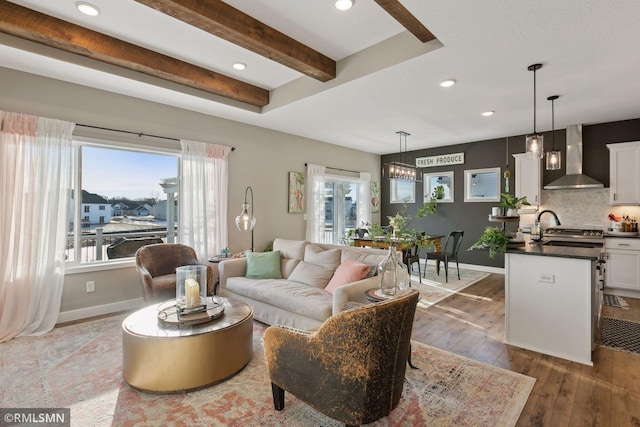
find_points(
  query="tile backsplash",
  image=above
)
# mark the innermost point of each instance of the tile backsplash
(587, 207)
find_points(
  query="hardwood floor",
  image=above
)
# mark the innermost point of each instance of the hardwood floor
(566, 393)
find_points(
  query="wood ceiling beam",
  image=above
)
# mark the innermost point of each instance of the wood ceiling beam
(38, 27)
(228, 23)
(406, 18)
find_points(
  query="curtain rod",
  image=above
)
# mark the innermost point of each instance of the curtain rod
(338, 169)
(140, 134)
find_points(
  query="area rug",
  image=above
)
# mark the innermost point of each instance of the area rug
(79, 367)
(434, 289)
(620, 334)
(614, 301)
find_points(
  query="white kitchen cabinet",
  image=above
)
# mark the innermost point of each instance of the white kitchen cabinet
(528, 178)
(624, 170)
(623, 263)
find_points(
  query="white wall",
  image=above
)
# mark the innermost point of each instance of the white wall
(262, 160)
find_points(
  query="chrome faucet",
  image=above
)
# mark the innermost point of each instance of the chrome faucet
(552, 213)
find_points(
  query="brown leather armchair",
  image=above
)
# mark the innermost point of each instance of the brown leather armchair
(352, 368)
(157, 267)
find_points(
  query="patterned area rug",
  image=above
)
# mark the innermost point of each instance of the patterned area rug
(620, 334)
(434, 289)
(79, 367)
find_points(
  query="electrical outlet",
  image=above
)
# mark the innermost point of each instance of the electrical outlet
(91, 286)
(546, 278)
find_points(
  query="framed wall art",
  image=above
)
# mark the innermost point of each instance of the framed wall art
(296, 192)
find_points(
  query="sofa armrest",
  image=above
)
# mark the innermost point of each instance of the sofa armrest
(235, 267)
(353, 292)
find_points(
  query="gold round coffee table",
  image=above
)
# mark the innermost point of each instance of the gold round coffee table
(162, 358)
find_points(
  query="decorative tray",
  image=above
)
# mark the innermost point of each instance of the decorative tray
(169, 313)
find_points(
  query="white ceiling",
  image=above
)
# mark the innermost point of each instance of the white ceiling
(387, 80)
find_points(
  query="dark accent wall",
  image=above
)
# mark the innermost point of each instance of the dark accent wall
(473, 217)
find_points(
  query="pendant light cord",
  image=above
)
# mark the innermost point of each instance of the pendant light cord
(534, 101)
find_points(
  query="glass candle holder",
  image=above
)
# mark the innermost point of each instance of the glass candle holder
(191, 286)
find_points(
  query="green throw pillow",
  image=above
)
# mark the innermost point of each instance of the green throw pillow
(263, 265)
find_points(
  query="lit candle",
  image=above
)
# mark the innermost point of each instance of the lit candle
(191, 293)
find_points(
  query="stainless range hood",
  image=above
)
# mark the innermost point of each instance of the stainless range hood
(574, 177)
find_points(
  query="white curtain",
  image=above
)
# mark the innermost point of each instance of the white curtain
(204, 181)
(317, 179)
(364, 198)
(36, 158)
(315, 203)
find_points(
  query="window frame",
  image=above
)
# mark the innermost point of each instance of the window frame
(394, 196)
(79, 141)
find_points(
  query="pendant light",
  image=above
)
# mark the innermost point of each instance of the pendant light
(534, 142)
(553, 157)
(399, 170)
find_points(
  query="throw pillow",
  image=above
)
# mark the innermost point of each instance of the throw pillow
(365, 258)
(311, 274)
(263, 265)
(349, 271)
(287, 266)
(293, 249)
(327, 258)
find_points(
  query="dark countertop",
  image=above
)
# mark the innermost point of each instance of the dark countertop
(621, 236)
(556, 251)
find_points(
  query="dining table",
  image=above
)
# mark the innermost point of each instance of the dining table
(400, 243)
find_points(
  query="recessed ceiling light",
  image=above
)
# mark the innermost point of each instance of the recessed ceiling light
(488, 113)
(344, 4)
(87, 8)
(447, 83)
(239, 65)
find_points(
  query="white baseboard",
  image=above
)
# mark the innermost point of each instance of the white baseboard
(485, 268)
(99, 310)
(629, 293)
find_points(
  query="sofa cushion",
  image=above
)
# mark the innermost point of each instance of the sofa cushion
(293, 249)
(366, 258)
(287, 266)
(348, 272)
(311, 274)
(327, 258)
(286, 294)
(263, 265)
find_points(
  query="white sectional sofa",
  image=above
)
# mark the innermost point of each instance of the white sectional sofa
(299, 299)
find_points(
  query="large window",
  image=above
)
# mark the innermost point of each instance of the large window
(128, 198)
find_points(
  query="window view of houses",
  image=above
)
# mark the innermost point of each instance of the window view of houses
(128, 199)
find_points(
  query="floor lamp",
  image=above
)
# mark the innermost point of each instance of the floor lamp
(246, 221)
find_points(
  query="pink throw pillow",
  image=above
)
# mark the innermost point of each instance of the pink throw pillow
(347, 272)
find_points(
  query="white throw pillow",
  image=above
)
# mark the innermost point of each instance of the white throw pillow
(311, 274)
(326, 258)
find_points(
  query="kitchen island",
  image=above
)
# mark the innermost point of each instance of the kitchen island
(553, 300)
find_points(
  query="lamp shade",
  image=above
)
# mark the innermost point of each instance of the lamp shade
(554, 157)
(245, 221)
(535, 145)
(553, 160)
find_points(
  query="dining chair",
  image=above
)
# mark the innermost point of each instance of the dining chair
(448, 253)
(412, 255)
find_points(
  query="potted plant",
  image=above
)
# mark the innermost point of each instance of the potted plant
(494, 239)
(510, 204)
